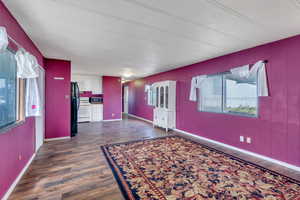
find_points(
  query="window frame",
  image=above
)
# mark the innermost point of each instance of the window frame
(150, 96)
(222, 96)
(20, 103)
(222, 74)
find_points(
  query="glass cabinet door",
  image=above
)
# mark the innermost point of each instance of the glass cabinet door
(157, 96)
(162, 95)
(167, 97)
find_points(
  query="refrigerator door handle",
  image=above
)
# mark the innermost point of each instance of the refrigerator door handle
(78, 97)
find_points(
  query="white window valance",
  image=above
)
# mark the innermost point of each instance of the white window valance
(196, 84)
(28, 69)
(27, 65)
(3, 39)
(241, 74)
(258, 70)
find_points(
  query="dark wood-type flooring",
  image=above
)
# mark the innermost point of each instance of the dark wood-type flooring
(76, 168)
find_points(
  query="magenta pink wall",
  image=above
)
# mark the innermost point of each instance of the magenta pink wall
(19, 141)
(58, 105)
(274, 134)
(112, 97)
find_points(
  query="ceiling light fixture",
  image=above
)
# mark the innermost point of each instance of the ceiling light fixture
(127, 75)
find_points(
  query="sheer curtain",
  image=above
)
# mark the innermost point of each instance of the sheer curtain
(27, 68)
(241, 72)
(27, 64)
(196, 84)
(3, 39)
(32, 98)
(257, 70)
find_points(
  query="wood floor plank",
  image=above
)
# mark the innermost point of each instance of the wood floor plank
(77, 169)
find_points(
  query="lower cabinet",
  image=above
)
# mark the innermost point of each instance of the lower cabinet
(164, 118)
(97, 112)
(84, 113)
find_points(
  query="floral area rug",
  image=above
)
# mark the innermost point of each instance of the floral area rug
(175, 168)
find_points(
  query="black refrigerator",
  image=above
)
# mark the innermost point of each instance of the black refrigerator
(75, 102)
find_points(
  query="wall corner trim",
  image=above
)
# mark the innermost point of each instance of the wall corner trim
(278, 162)
(15, 183)
(58, 138)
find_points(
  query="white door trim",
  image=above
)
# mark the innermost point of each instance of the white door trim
(40, 121)
(126, 96)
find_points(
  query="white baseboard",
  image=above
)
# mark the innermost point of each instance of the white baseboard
(140, 118)
(15, 183)
(112, 120)
(58, 138)
(278, 162)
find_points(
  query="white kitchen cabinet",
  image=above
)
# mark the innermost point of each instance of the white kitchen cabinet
(164, 113)
(88, 83)
(81, 85)
(96, 85)
(97, 112)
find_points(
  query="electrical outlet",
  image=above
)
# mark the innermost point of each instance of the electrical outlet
(242, 139)
(249, 140)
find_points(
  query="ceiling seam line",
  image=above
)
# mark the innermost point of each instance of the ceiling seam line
(140, 24)
(184, 19)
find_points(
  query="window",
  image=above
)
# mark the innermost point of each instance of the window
(240, 96)
(11, 91)
(225, 93)
(211, 94)
(153, 97)
(149, 96)
(150, 93)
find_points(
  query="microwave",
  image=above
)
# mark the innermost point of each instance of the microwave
(96, 100)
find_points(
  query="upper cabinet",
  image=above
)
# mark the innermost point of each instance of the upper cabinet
(88, 83)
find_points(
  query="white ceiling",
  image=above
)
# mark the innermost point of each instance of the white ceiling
(143, 37)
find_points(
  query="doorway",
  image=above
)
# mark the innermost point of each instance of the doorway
(126, 99)
(40, 120)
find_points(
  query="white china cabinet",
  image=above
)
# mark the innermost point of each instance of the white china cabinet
(164, 98)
